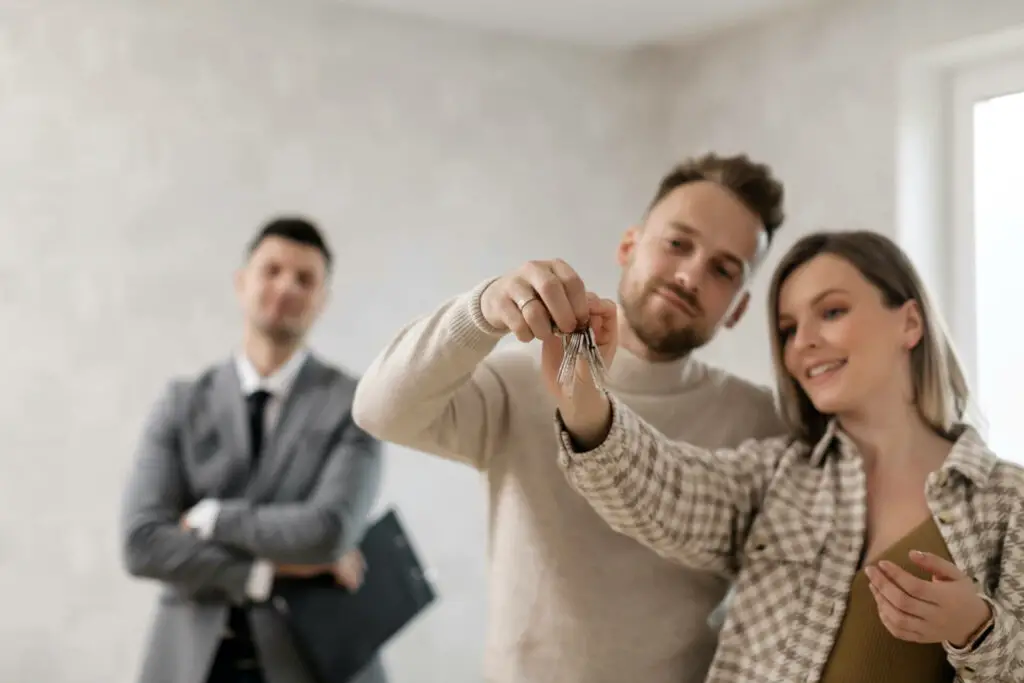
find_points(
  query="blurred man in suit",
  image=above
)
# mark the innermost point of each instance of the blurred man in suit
(253, 469)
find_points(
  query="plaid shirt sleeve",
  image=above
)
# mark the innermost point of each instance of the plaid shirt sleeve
(686, 503)
(1000, 657)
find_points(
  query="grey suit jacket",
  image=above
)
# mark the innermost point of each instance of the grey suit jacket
(307, 502)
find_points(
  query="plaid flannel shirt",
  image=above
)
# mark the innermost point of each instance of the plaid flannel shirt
(787, 522)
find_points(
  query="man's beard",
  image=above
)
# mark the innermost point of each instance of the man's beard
(282, 335)
(662, 339)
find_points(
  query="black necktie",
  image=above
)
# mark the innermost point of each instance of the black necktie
(257, 402)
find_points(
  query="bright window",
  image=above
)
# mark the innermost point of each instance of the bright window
(988, 247)
(999, 262)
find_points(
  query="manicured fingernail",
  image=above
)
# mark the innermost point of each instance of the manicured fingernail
(917, 553)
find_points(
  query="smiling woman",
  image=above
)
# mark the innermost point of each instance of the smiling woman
(855, 330)
(880, 541)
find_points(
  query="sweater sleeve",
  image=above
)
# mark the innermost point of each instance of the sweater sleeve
(432, 390)
(688, 504)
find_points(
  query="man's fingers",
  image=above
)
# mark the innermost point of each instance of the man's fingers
(553, 293)
(575, 291)
(601, 310)
(348, 576)
(350, 569)
(538, 320)
(605, 309)
(540, 299)
(520, 298)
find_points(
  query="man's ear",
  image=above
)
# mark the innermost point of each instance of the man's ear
(324, 297)
(737, 313)
(627, 244)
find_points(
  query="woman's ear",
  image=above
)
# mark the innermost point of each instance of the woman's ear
(913, 324)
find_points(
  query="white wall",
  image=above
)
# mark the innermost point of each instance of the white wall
(143, 143)
(816, 92)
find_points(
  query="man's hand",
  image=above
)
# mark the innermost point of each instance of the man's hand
(201, 518)
(536, 297)
(303, 571)
(947, 608)
(602, 316)
(348, 571)
(585, 411)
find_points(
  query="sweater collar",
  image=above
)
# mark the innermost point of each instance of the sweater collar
(633, 375)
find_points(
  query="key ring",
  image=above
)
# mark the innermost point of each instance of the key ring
(580, 346)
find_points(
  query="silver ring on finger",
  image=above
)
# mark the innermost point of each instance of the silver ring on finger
(523, 302)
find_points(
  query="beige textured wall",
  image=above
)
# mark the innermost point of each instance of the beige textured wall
(142, 143)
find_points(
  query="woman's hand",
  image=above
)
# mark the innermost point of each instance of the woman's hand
(945, 609)
(586, 413)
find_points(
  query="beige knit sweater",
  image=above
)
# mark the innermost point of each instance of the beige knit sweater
(571, 601)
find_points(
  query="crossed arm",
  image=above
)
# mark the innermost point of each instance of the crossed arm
(238, 544)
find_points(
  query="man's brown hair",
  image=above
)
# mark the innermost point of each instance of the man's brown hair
(751, 182)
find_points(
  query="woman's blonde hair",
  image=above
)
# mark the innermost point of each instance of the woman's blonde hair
(940, 387)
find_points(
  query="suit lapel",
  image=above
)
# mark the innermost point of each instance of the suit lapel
(228, 407)
(302, 406)
(230, 410)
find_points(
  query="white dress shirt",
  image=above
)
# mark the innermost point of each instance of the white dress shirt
(202, 518)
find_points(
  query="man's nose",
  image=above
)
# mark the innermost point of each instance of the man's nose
(290, 286)
(690, 273)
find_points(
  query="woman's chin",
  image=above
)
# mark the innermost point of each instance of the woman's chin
(828, 404)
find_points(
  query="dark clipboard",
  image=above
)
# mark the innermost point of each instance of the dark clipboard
(338, 632)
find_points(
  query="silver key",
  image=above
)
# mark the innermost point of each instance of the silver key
(576, 346)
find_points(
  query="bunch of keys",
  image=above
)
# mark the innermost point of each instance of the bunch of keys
(574, 345)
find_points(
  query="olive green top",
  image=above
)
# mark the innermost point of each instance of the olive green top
(864, 651)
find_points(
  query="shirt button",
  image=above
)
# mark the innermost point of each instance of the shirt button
(945, 518)
(942, 477)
